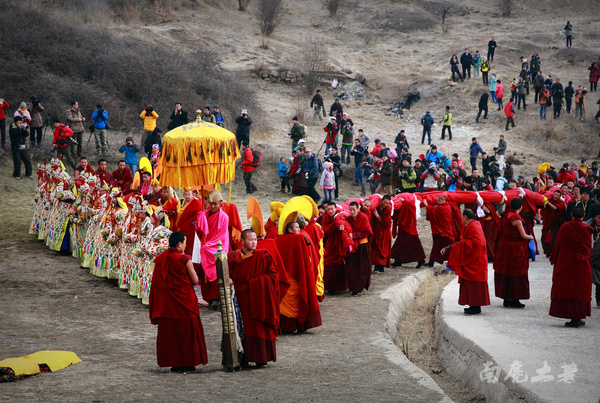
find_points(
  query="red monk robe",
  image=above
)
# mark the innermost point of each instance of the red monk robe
(358, 263)
(381, 241)
(338, 245)
(174, 308)
(489, 223)
(468, 259)
(123, 179)
(271, 246)
(211, 229)
(272, 232)
(185, 223)
(407, 247)
(235, 224)
(552, 220)
(511, 263)
(299, 308)
(257, 289)
(572, 277)
(315, 232)
(440, 217)
(170, 209)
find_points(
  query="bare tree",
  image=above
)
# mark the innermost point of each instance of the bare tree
(243, 4)
(313, 62)
(332, 6)
(446, 7)
(506, 7)
(269, 14)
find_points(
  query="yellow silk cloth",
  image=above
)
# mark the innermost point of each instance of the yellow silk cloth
(29, 364)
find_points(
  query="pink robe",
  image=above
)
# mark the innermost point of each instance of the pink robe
(211, 229)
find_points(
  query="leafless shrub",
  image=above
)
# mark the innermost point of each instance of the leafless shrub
(300, 108)
(264, 42)
(313, 62)
(332, 6)
(269, 14)
(446, 8)
(243, 4)
(506, 7)
(258, 66)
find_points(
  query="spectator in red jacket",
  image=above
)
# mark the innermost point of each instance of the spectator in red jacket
(248, 167)
(377, 149)
(509, 112)
(3, 105)
(567, 174)
(62, 142)
(331, 138)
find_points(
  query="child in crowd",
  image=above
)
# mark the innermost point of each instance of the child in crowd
(283, 171)
(155, 156)
(328, 182)
(130, 149)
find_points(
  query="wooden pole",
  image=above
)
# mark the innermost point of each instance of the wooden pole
(229, 347)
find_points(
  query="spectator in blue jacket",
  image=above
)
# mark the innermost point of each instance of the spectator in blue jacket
(283, 171)
(434, 155)
(474, 151)
(130, 151)
(311, 169)
(427, 121)
(100, 116)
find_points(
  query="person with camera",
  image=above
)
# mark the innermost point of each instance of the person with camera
(332, 130)
(366, 172)
(18, 146)
(359, 154)
(179, 117)
(76, 123)
(430, 177)
(242, 133)
(218, 115)
(408, 177)
(385, 179)
(580, 101)
(100, 116)
(347, 136)
(63, 138)
(149, 115)
(130, 149)
(35, 110)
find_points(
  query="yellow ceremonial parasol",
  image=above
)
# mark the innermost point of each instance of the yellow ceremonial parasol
(198, 154)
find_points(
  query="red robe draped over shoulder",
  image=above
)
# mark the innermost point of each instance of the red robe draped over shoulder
(174, 308)
(299, 307)
(257, 289)
(551, 223)
(442, 229)
(338, 245)
(185, 223)
(358, 263)
(407, 247)
(381, 241)
(125, 177)
(572, 277)
(271, 246)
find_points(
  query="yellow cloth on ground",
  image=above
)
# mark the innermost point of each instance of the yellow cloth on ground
(55, 360)
(21, 366)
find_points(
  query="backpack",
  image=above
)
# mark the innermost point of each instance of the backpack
(320, 164)
(256, 158)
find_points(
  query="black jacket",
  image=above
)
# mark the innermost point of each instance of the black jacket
(151, 140)
(466, 59)
(401, 141)
(483, 101)
(337, 108)
(178, 119)
(243, 130)
(569, 92)
(18, 136)
(359, 154)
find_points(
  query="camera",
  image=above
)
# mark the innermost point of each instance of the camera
(149, 109)
(72, 141)
(370, 178)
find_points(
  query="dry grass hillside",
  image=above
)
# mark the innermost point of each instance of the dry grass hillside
(206, 52)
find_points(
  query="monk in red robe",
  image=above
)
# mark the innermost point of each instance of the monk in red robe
(440, 217)
(511, 264)
(187, 217)
(122, 177)
(212, 226)
(407, 247)
(337, 246)
(489, 223)
(169, 206)
(299, 307)
(358, 262)
(571, 292)
(105, 176)
(174, 308)
(256, 285)
(553, 217)
(468, 259)
(271, 246)
(316, 234)
(381, 241)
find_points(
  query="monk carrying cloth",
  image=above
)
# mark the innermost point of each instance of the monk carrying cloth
(407, 247)
(468, 259)
(358, 262)
(338, 245)
(256, 284)
(212, 226)
(440, 217)
(174, 308)
(571, 292)
(381, 241)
